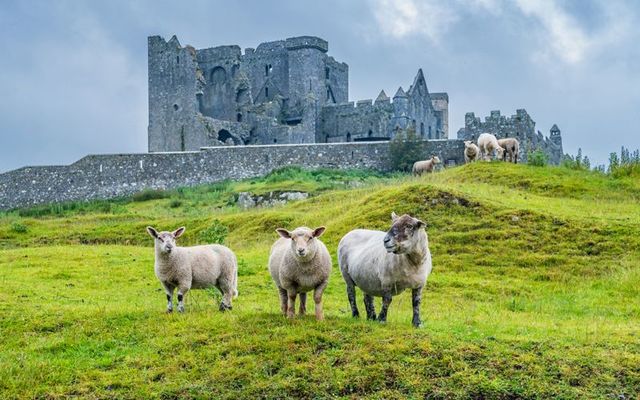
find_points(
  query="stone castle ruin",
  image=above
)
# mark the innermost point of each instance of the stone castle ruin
(219, 113)
(283, 92)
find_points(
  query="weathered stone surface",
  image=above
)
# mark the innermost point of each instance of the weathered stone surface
(249, 200)
(109, 176)
(286, 91)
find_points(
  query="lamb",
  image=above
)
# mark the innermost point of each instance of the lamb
(511, 148)
(471, 151)
(488, 144)
(299, 262)
(384, 264)
(197, 267)
(420, 167)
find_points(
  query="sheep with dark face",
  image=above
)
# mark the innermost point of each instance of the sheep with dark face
(511, 148)
(384, 264)
(299, 262)
(197, 267)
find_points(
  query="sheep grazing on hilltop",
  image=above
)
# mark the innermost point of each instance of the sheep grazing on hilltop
(384, 264)
(299, 262)
(471, 151)
(488, 144)
(511, 148)
(197, 267)
(420, 167)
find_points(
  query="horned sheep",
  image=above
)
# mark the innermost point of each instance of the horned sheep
(197, 267)
(471, 151)
(511, 148)
(384, 264)
(420, 167)
(488, 144)
(299, 262)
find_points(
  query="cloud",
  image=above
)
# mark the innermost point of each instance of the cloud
(402, 18)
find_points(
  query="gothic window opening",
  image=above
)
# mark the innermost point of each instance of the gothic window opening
(370, 133)
(422, 129)
(430, 137)
(177, 59)
(239, 117)
(326, 73)
(266, 92)
(348, 136)
(267, 69)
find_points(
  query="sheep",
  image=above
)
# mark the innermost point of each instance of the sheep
(197, 267)
(299, 262)
(488, 144)
(511, 148)
(471, 151)
(384, 264)
(420, 167)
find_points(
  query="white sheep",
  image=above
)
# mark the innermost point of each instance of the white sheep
(299, 262)
(197, 267)
(420, 167)
(384, 264)
(471, 151)
(488, 144)
(511, 148)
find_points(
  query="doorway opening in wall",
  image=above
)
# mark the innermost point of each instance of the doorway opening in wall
(348, 136)
(370, 133)
(224, 135)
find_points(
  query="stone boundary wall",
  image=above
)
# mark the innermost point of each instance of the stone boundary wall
(116, 175)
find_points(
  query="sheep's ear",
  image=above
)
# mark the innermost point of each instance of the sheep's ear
(152, 232)
(318, 231)
(420, 224)
(284, 233)
(178, 232)
(394, 216)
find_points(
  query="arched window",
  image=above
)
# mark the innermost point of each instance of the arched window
(266, 92)
(422, 129)
(224, 135)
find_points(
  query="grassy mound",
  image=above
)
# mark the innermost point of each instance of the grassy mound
(534, 293)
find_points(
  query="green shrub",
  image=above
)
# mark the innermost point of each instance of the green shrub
(17, 227)
(150, 194)
(578, 162)
(405, 149)
(175, 203)
(216, 233)
(537, 158)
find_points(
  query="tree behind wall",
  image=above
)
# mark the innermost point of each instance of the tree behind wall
(405, 149)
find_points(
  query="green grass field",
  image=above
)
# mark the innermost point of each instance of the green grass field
(534, 293)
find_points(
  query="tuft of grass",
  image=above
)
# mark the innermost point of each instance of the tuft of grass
(17, 227)
(150, 194)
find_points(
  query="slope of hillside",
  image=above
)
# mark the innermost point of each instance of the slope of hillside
(534, 293)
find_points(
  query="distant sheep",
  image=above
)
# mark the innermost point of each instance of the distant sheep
(384, 264)
(511, 148)
(197, 267)
(420, 167)
(299, 262)
(488, 144)
(471, 151)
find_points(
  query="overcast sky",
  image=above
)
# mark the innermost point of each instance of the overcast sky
(73, 74)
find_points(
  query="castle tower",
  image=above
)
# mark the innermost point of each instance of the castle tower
(556, 137)
(400, 119)
(172, 95)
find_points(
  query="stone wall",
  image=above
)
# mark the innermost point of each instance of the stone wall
(110, 176)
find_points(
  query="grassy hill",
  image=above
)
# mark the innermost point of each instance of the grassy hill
(534, 293)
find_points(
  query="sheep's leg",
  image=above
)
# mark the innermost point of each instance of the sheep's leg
(302, 308)
(169, 288)
(317, 298)
(351, 295)
(291, 305)
(182, 291)
(370, 307)
(386, 300)
(283, 300)
(416, 298)
(227, 294)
